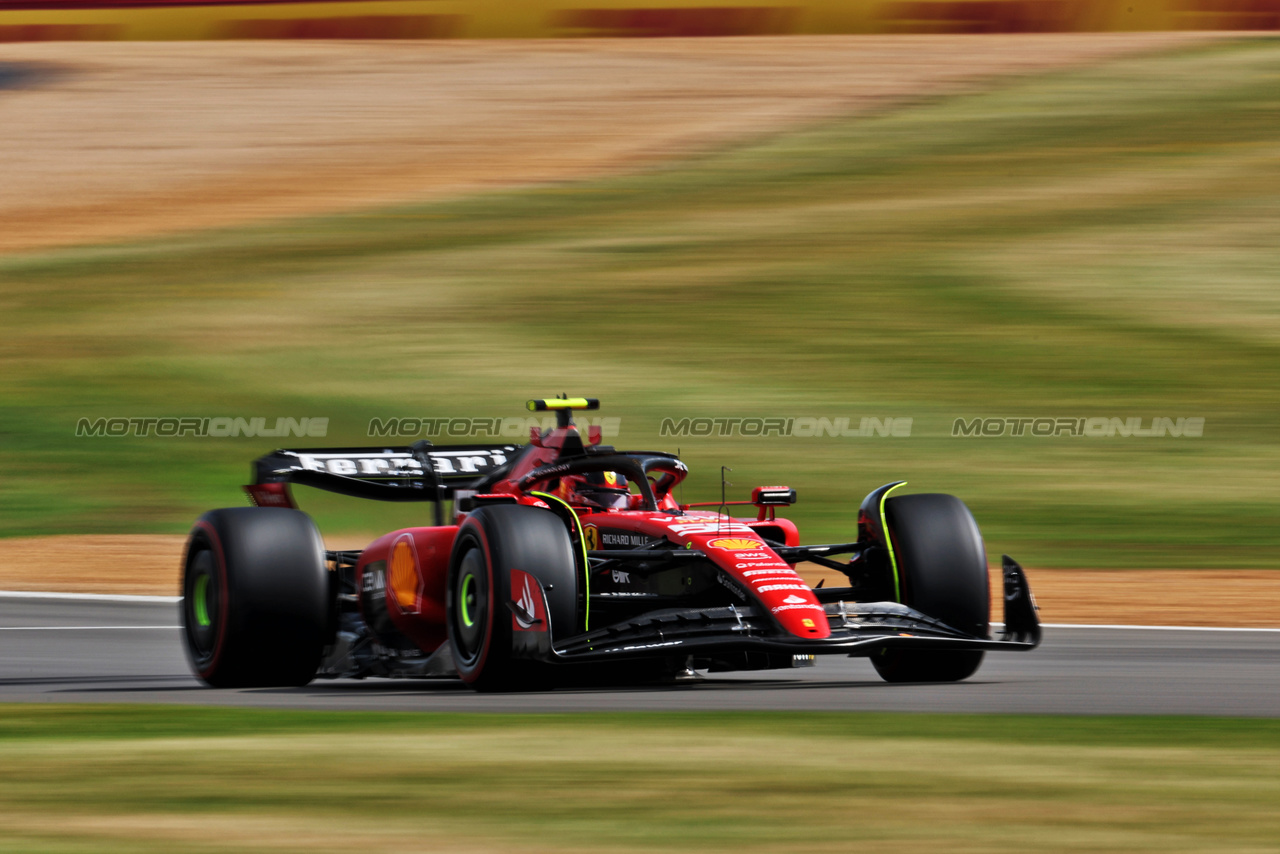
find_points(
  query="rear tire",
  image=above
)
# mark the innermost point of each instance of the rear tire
(255, 598)
(942, 572)
(490, 543)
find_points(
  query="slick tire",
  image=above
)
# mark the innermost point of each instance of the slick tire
(942, 572)
(255, 598)
(491, 542)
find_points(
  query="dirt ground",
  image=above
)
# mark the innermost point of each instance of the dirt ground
(148, 564)
(126, 140)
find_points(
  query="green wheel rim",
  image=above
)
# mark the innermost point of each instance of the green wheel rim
(202, 601)
(467, 597)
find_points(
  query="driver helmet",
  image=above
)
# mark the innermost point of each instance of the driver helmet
(605, 489)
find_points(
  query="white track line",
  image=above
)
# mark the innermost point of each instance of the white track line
(119, 597)
(87, 597)
(1150, 628)
(79, 628)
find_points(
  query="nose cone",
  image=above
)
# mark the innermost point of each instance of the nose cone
(799, 613)
(775, 585)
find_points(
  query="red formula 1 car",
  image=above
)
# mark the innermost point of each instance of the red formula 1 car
(564, 557)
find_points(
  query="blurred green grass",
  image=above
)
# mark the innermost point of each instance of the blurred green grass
(1100, 242)
(103, 778)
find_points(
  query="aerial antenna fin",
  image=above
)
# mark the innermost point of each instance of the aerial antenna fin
(724, 501)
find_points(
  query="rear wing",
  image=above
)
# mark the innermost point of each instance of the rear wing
(421, 472)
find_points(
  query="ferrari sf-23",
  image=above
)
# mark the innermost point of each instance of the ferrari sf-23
(565, 560)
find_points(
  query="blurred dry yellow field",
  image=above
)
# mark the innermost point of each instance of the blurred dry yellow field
(1092, 241)
(148, 565)
(120, 778)
(129, 140)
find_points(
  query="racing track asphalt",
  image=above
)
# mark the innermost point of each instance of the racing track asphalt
(63, 650)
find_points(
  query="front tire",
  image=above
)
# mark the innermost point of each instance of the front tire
(490, 543)
(255, 598)
(942, 572)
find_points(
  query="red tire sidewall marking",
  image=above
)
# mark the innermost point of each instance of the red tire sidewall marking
(476, 669)
(225, 605)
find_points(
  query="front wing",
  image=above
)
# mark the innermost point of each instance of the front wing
(856, 630)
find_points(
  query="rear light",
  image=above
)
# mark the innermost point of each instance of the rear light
(270, 495)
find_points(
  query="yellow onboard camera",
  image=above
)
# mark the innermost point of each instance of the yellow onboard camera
(560, 403)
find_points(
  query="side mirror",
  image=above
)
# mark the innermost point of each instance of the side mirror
(768, 497)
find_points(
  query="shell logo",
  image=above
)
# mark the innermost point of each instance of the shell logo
(735, 543)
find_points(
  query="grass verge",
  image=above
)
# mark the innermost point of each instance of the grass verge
(81, 778)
